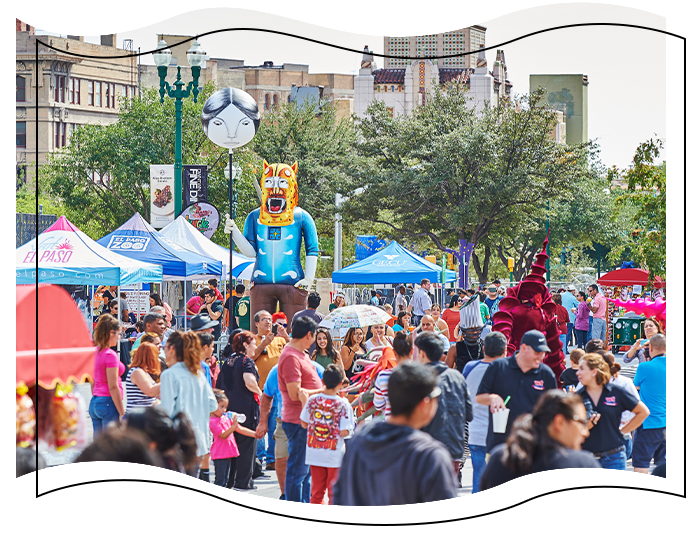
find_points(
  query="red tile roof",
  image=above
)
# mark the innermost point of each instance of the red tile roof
(460, 76)
(397, 76)
(389, 76)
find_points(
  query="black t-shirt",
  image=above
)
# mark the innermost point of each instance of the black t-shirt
(216, 306)
(605, 435)
(505, 378)
(496, 473)
(232, 323)
(107, 294)
(240, 399)
(568, 377)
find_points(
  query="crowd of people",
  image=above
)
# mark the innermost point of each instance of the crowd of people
(281, 398)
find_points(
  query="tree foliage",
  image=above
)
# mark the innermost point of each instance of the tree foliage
(644, 197)
(102, 177)
(446, 172)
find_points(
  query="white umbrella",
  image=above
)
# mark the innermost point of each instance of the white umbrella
(355, 316)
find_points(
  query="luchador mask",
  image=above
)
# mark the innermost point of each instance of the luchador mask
(280, 194)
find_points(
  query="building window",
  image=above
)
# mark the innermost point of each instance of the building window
(267, 102)
(98, 94)
(110, 91)
(59, 88)
(91, 93)
(74, 91)
(21, 87)
(289, 99)
(21, 134)
(275, 100)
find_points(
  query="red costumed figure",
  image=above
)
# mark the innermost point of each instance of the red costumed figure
(527, 306)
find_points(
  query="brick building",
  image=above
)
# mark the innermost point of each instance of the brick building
(72, 90)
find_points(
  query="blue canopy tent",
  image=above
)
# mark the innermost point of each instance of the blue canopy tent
(138, 240)
(392, 265)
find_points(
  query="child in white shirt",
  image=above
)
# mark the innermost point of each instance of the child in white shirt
(328, 420)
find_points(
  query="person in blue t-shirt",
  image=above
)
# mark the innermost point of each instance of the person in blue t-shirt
(272, 397)
(650, 380)
(26, 477)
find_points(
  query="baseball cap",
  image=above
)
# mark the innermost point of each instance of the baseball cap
(571, 287)
(536, 340)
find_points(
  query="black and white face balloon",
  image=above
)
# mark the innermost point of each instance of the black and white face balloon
(230, 118)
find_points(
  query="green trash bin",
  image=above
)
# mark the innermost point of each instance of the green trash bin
(627, 329)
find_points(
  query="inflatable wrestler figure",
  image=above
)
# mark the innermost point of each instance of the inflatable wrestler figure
(272, 235)
(528, 305)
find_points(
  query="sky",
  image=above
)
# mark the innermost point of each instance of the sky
(626, 103)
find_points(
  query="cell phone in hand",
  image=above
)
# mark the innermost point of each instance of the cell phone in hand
(274, 328)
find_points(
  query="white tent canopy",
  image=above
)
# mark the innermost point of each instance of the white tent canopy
(183, 233)
(69, 256)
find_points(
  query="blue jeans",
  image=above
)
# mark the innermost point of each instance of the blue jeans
(628, 448)
(562, 339)
(569, 336)
(598, 329)
(581, 338)
(102, 411)
(616, 461)
(478, 454)
(268, 455)
(298, 480)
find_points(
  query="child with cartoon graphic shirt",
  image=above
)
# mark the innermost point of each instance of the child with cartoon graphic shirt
(328, 420)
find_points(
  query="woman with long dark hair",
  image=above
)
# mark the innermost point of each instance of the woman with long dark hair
(605, 403)
(581, 323)
(352, 349)
(173, 437)
(548, 439)
(238, 379)
(184, 387)
(325, 353)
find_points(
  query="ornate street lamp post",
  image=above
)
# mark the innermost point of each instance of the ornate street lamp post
(232, 172)
(195, 57)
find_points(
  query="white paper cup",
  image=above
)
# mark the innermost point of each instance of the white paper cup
(500, 420)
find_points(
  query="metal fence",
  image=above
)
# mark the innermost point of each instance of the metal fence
(26, 228)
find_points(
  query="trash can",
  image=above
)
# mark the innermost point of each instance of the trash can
(627, 329)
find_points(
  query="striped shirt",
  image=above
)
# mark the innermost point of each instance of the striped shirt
(134, 397)
(381, 393)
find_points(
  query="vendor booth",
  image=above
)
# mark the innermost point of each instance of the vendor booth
(182, 232)
(392, 265)
(46, 370)
(629, 277)
(138, 240)
(69, 256)
(623, 330)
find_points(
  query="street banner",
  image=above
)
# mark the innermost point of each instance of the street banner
(203, 216)
(194, 184)
(162, 195)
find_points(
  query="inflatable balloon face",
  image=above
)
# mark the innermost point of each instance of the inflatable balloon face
(230, 118)
(280, 194)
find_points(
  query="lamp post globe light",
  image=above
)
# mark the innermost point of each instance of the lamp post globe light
(195, 57)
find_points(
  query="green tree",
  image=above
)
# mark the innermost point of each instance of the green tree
(102, 178)
(448, 173)
(644, 198)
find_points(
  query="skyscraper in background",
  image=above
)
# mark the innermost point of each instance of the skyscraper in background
(435, 45)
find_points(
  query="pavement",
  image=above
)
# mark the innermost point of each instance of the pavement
(267, 486)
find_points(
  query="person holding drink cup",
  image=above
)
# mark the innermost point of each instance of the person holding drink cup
(548, 439)
(522, 377)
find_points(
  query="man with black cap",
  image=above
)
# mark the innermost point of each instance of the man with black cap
(520, 379)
